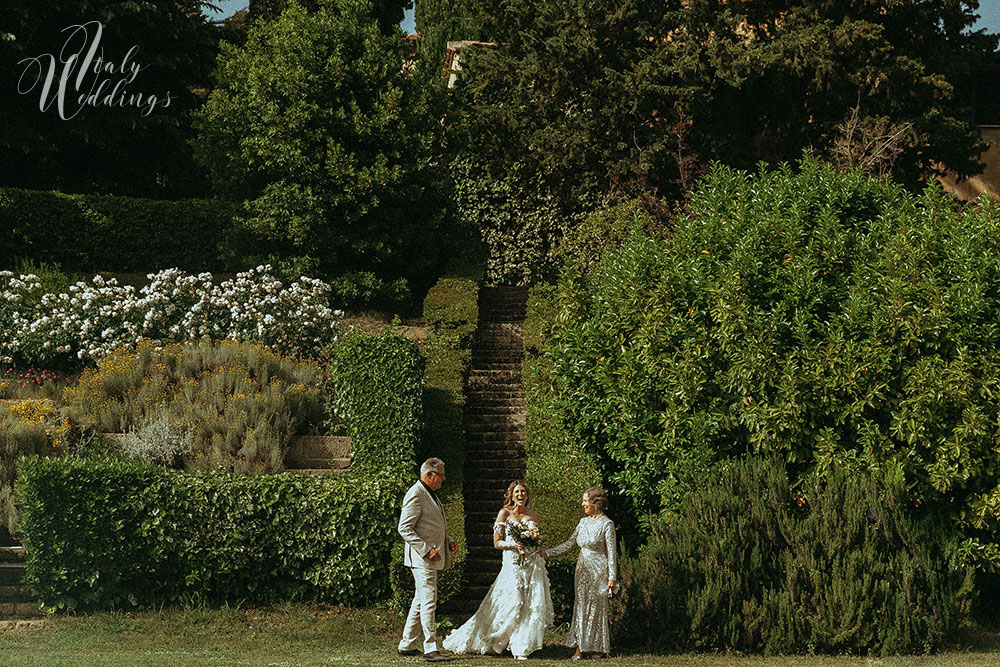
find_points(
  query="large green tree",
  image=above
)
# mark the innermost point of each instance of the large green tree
(822, 318)
(597, 96)
(315, 124)
(108, 148)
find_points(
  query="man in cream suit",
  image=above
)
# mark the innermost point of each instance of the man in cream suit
(428, 549)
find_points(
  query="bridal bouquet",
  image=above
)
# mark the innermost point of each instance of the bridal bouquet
(527, 535)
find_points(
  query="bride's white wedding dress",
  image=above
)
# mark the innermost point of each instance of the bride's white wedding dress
(515, 611)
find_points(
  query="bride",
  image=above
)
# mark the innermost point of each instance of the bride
(518, 607)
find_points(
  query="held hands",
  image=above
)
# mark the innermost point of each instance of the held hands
(541, 552)
(453, 547)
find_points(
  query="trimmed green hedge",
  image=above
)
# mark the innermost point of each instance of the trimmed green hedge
(106, 533)
(119, 234)
(378, 391)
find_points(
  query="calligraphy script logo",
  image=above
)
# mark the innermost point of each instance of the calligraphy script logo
(82, 69)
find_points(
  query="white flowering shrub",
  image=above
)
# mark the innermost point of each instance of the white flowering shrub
(88, 321)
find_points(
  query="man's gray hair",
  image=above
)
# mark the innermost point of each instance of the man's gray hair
(431, 465)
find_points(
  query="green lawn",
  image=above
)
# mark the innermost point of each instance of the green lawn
(321, 635)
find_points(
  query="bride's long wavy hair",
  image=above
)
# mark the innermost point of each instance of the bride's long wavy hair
(508, 499)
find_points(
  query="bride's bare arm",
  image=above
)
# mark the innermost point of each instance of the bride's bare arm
(500, 529)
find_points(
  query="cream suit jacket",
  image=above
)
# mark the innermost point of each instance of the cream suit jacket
(422, 526)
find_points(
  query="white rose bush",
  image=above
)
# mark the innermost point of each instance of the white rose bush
(89, 320)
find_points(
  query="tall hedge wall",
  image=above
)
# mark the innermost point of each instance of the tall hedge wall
(113, 533)
(378, 390)
(122, 234)
(451, 313)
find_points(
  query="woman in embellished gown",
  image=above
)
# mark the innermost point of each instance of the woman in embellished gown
(518, 606)
(595, 576)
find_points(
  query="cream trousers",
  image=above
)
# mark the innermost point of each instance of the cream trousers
(420, 621)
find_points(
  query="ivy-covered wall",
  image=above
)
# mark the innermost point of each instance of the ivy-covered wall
(378, 392)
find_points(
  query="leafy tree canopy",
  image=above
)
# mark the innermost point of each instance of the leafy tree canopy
(316, 126)
(106, 148)
(598, 96)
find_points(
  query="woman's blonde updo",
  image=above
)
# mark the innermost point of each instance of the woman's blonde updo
(597, 496)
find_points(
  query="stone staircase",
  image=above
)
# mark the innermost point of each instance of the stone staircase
(494, 432)
(16, 601)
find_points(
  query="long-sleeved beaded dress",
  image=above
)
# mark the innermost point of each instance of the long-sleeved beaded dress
(516, 609)
(596, 565)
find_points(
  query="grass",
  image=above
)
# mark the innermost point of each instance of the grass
(299, 634)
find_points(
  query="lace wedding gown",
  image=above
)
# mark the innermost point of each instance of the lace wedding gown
(515, 611)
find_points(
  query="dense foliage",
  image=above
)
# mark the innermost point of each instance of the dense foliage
(378, 392)
(388, 13)
(104, 233)
(115, 534)
(577, 99)
(317, 127)
(237, 406)
(116, 146)
(845, 564)
(818, 317)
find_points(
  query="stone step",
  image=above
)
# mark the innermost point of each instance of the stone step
(495, 399)
(497, 366)
(492, 436)
(15, 594)
(493, 476)
(484, 467)
(498, 419)
(499, 413)
(19, 610)
(513, 391)
(479, 578)
(496, 448)
(494, 427)
(11, 574)
(12, 554)
(490, 452)
(478, 467)
(482, 378)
